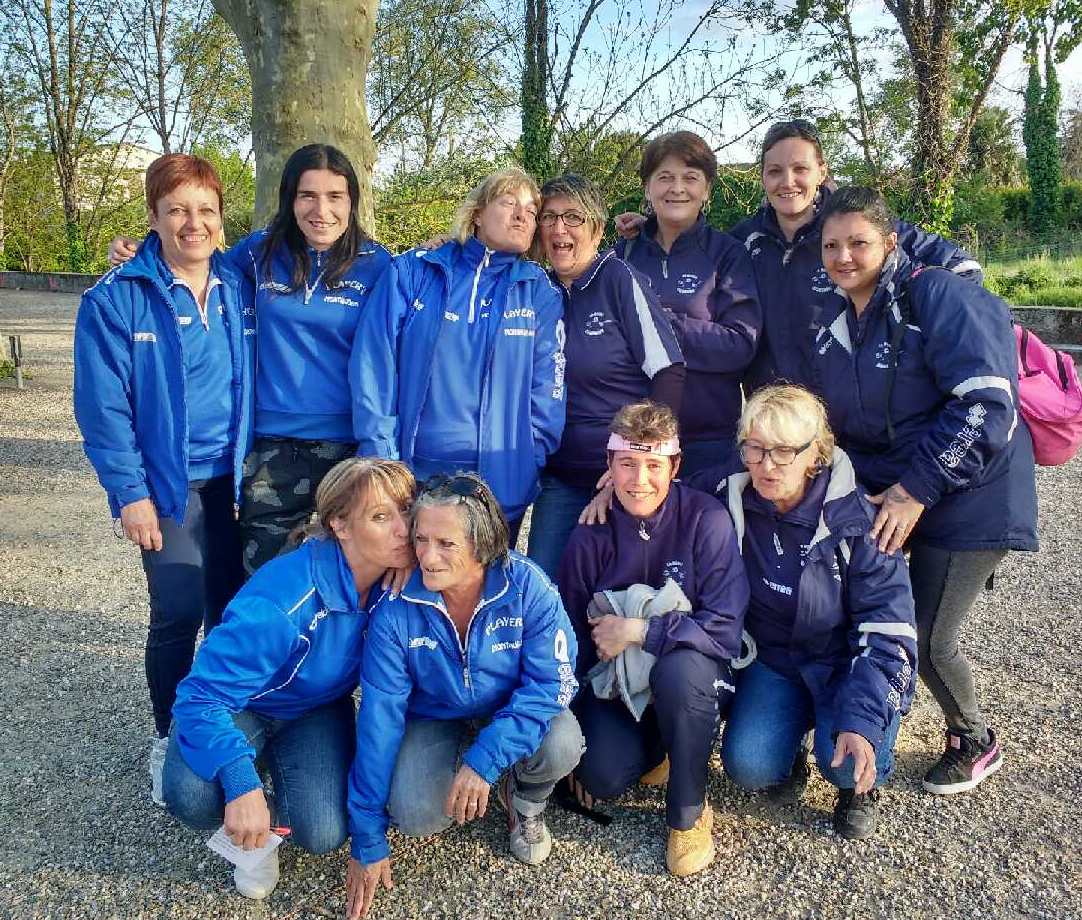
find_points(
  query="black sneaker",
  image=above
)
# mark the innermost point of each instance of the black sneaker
(964, 764)
(854, 815)
(791, 790)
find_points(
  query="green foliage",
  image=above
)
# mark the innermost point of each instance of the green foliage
(1040, 281)
(993, 157)
(238, 190)
(7, 370)
(1040, 134)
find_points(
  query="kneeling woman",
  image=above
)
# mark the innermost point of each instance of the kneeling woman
(477, 647)
(274, 680)
(657, 530)
(831, 615)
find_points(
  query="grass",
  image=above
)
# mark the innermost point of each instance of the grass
(1039, 281)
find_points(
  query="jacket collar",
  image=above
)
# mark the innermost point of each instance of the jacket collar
(767, 221)
(695, 237)
(645, 526)
(583, 280)
(332, 576)
(520, 269)
(147, 263)
(497, 581)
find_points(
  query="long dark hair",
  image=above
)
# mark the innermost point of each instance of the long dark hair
(283, 230)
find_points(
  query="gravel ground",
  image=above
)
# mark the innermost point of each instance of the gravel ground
(79, 837)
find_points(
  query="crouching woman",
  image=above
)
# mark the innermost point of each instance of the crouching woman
(830, 614)
(274, 681)
(476, 652)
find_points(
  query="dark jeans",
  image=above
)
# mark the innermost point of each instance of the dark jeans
(278, 492)
(190, 580)
(945, 585)
(309, 760)
(701, 455)
(767, 722)
(682, 721)
(555, 514)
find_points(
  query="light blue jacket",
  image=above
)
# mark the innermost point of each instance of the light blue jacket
(290, 641)
(522, 400)
(131, 396)
(515, 670)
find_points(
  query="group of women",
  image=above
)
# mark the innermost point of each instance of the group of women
(833, 385)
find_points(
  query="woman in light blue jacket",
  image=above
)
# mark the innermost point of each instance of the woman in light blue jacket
(274, 681)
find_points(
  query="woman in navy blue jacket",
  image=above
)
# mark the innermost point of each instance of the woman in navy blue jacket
(458, 361)
(274, 681)
(782, 238)
(830, 618)
(919, 372)
(465, 683)
(620, 348)
(657, 530)
(704, 278)
(307, 276)
(161, 398)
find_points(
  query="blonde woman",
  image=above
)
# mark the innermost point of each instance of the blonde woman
(458, 359)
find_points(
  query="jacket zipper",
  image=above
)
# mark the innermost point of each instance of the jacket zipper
(665, 267)
(645, 537)
(481, 266)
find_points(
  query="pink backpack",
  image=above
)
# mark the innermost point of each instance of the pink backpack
(1050, 397)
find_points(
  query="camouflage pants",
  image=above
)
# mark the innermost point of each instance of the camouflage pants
(278, 491)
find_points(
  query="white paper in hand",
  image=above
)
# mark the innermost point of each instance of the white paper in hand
(246, 859)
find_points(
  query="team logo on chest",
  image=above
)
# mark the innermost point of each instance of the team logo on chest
(596, 323)
(821, 283)
(883, 352)
(687, 283)
(674, 569)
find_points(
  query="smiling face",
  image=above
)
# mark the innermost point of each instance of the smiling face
(444, 552)
(641, 481)
(782, 485)
(375, 532)
(189, 222)
(677, 192)
(569, 250)
(792, 174)
(507, 223)
(321, 207)
(854, 251)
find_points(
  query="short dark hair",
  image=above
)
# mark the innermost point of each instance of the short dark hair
(686, 146)
(795, 127)
(859, 199)
(283, 230)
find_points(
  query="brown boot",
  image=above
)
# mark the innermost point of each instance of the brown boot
(692, 850)
(658, 776)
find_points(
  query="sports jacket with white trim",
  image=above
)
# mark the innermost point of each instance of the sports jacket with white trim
(792, 282)
(130, 392)
(515, 670)
(854, 640)
(521, 414)
(959, 445)
(290, 641)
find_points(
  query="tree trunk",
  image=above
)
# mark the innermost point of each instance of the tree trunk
(536, 123)
(308, 60)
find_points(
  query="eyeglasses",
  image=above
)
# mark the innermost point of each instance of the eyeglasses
(781, 455)
(570, 218)
(462, 486)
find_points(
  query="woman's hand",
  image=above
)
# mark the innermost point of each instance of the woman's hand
(468, 798)
(863, 759)
(628, 224)
(362, 882)
(612, 634)
(121, 249)
(436, 242)
(140, 522)
(247, 820)
(898, 515)
(597, 512)
(396, 579)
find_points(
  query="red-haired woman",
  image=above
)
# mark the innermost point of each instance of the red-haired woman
(161, 398)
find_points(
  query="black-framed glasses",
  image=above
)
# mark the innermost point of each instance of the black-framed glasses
(570, 218)
(782, 455)
(462, 486)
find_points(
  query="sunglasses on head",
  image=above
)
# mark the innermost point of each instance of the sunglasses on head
(462, 486)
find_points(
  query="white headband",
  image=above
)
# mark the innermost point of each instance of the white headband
(669, 448)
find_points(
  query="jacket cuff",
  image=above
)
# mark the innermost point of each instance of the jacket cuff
(481, 764)
(919, 488)
(238, 777)
(133, 493)
(370, 853)
(653, 640)
(870, 731)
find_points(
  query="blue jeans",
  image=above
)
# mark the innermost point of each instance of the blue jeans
(309, 760)
(769, 717)
(429, 758)
(190, 579)
(555, 514)
(701, 455)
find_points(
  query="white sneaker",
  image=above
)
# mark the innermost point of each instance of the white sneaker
(259, 881)
(158, 747)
